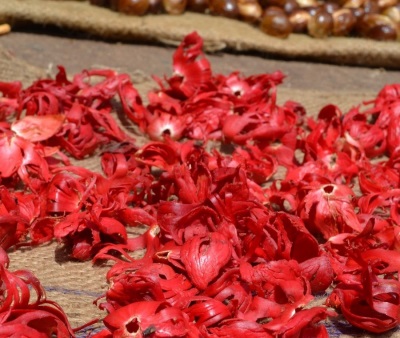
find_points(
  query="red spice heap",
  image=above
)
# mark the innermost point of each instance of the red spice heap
(230, 249)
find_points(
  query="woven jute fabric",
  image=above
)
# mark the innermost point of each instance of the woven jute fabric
(75, 285)
(14, 69)
(219, 33)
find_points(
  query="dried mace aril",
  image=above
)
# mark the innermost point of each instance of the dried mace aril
(225, 254)
(275, 22)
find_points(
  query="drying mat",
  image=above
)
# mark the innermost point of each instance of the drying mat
(14, 69)
(75, 285)
(218, 33)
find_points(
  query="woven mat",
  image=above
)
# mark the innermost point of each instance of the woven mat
(75, 285)
(219, 33)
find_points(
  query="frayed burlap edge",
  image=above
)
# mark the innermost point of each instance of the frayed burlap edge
(218, 33)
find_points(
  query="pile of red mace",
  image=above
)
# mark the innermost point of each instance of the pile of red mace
(230, 249)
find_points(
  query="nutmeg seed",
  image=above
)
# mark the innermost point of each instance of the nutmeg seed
(343, 22)
(382, 4)
(393, 13)
(358, 13)
(199, 6)
(155, 6)
(307, 3)
(227, 8)
(299, 20)
(275, 22)
(101, 3)
(377, 27)
(174, 7)
(382, 33)
(353, 3)
(249, 10)
(277, 3)
(133, 7)
(290, 6)
(370, 7)
(320, 25)
(330, 7)
(375, 19)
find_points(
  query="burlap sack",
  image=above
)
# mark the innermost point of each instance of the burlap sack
(75, 285)
(219, 33)
(13, 69)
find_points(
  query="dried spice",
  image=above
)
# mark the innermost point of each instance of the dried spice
(378, 20)
(228, 248)
(24, 309)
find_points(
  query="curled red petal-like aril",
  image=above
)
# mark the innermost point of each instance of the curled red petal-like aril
(204, 257)
(10, 153)
(319, 272)
(39, 127)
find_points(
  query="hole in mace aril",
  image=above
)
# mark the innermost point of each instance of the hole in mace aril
(133, 326)
(287, 206)
(166, 132)
(329, 188)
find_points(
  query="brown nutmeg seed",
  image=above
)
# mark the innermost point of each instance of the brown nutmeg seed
(290, 6)
(227, 8)
(377, 27)
(307, 3)
(299, 20)
(155, 6)
(393, 13)
(330, 7)
(275, 22)
(382, 4)
(133, 7)
(320, 25)
(199, 6)
(174, 7)
(343, 22)
(101, 3)
(370, 7)
(249, 10)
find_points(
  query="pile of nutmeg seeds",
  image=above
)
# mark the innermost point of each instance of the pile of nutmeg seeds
(374, 19)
